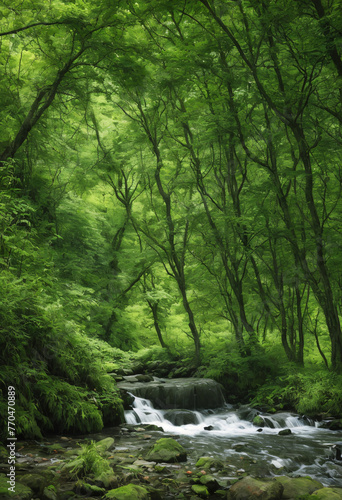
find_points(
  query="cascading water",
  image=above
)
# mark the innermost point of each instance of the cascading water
(222, 422)
(223, 434)
(143, 412)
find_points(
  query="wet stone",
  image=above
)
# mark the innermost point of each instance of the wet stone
(167, 450)
(285, 432)
(295, 486)
(249, 488)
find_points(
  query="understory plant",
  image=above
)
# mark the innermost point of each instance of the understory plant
(313, 392)
(88, 462)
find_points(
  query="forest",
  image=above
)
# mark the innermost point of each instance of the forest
(170, 194)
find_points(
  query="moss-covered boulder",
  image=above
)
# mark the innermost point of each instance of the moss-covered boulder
(209, 482)
(128, 492)
(207, 463)
(36, 482)
(200, 490)
(249, 488)
(329, 494)
(296, 486)
(167, 450)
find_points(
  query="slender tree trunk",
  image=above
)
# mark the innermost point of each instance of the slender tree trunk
(154, 309)
(300, 350)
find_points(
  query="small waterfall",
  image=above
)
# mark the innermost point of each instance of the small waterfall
(143, 412)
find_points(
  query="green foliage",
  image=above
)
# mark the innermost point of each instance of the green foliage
(316, 392)
(310, 392)
(240, 375)
(88, 462)
(189, 185)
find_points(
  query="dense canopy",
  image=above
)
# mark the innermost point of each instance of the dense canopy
(170, 175)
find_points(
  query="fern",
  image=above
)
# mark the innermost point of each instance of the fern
(89, 461)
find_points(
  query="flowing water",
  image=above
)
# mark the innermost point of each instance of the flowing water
(224, 434)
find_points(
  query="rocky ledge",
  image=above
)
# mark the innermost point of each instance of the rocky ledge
(186, 393)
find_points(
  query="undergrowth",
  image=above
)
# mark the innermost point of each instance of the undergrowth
(89, 461)
(313, 391)
(57, 371)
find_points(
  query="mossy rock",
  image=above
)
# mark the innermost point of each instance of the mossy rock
(21, 492)
(105, 444)
(258, 421)
(128, 492)
(167, 450)
(285, 432)
(106, 480)
(296, 486)
(329, 494)
(153, 427)
(34, 481)
(200, 490)
(249, 488)
(209, 463)
(210, 482)
(159, 468)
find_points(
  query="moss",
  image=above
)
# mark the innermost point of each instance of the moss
(209, 463)
(328, 494)
(210, 482)
(167, 450)
(105, 444)
(258, 421)
(200, 490)
(128, 492)
(296, 486)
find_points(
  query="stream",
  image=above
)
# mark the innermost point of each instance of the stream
(229, 434)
